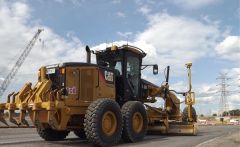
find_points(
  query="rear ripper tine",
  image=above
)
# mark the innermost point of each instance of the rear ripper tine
(11, 119)
(2, 119)
(25, 122)
(9, 97)
(22, 118)
(11, 110)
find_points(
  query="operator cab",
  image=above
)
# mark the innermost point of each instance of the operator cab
(127, 61)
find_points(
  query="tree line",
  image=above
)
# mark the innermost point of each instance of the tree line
(235, 112)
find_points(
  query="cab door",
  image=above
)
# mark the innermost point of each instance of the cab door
(132, 76)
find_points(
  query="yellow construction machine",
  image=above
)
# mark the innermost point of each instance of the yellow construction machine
(102, 102)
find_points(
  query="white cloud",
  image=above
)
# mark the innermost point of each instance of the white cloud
(204, 93)
(144, 9)
(229, 48)
(103, 46)
(208, 97)
(15, 33)
(233, 81)
(168, 40)
(125, 34)
(179, 86)
(232, 73)
(232, 87)
(121, 14)
(210, 93)
(234, 99)
(172, 40)
(193, 4)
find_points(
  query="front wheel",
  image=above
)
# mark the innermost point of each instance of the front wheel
(135, 121)
(185, 114)
(103, 123)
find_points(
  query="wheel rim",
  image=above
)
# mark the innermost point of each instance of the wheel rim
(137, 122)
(109, 123)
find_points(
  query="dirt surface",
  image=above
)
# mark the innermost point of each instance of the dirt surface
(208, 136)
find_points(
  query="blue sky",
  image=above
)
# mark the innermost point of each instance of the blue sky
(104, 20)
(205, 32)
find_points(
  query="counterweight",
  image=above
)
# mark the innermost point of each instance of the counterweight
(18, 63)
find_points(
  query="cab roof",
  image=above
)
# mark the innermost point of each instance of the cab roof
(125, 47)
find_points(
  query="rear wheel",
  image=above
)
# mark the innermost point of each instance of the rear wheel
(49, 134)
(80, 133)
(103, 122)
(135, 121)
(185, 114)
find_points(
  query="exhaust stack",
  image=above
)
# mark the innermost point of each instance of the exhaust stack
(88, 54)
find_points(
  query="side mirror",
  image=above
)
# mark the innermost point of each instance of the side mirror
(155, 69)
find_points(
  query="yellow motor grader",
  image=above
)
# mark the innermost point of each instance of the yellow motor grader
(102, 102)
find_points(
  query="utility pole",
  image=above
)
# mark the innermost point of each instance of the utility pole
(223, 102)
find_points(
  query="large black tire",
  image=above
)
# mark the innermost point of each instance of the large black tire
(49, 134)
(80, 133)
(134, 111)
(98, 114)
(185, 114)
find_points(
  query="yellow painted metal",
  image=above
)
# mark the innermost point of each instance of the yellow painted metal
(43, 73)
(109, 123)
(48, 107)
(114, 48)
(190, 97)
(137, 122)
(180, 129)
(184, 129)
(160, 119)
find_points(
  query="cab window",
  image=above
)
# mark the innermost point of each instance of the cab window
(118, 68)
(133, 64)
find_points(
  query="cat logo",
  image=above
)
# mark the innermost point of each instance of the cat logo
(108, 76)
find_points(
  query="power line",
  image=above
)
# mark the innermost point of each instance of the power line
(224, 93)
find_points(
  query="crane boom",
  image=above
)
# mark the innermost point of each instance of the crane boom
(18, 63)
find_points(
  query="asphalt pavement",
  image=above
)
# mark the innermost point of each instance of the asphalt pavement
(27, 137)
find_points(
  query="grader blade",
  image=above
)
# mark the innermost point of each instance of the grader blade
(174, 129)
(183, 129)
